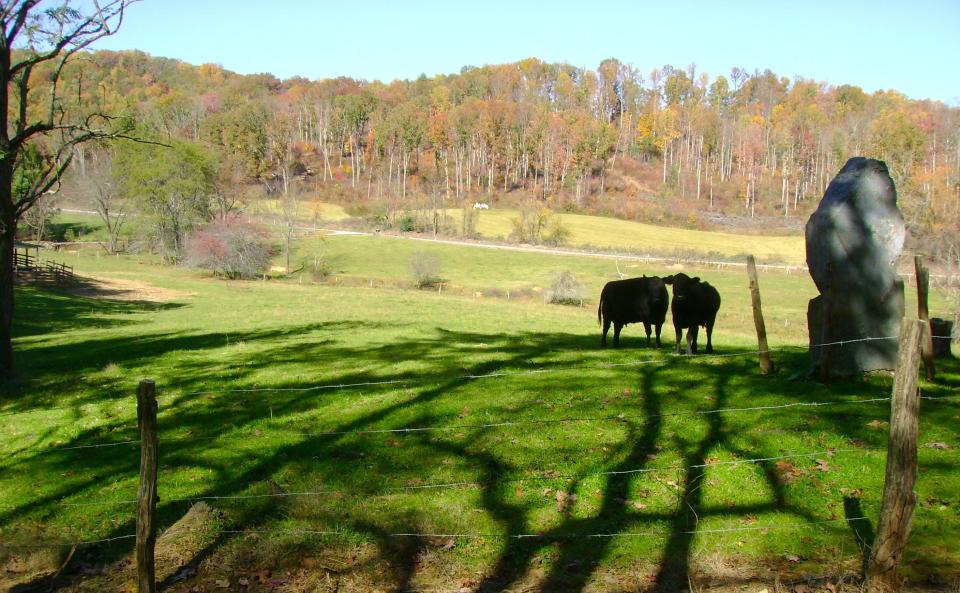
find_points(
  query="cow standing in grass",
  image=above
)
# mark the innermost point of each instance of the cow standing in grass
(631, 301)
(695, 303)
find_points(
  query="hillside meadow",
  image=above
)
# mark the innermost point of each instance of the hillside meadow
(359, 431)
(598, 233)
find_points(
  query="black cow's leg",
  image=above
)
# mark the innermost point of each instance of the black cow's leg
(606, 328)
(659, 326)
(692, 339)
(710, 337)
(679, 330)
(616, 334)
(646, 326)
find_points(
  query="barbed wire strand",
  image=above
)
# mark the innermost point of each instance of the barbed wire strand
(445, 485)
(497, 374)
(441, 535)
(68, 544)
(514, 423)
(471, 376)
(491, 425)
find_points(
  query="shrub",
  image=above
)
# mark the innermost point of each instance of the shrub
(468, 227)
(565, 289)
(425, 269)
(556, 234)
(407, 223)
(231, 247)
(318, 265)
(538, 225)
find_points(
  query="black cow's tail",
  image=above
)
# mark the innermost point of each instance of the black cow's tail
(599, 311)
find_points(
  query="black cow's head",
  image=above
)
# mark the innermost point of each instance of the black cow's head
(682, 284)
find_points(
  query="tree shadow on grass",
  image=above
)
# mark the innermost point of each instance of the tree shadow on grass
(49, 311)
(369, 466)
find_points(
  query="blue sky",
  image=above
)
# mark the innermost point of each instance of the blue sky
(911, 46)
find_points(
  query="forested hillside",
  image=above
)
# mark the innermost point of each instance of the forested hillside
(667, 145)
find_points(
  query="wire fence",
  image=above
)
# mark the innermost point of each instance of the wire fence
(492, 375)
(494, 425)
(501, 479)
(445, 535)
(435, 379)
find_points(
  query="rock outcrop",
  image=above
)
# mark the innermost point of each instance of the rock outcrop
(853, 241)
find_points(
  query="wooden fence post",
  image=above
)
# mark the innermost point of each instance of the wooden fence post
(923, 312)
(766, 366)
(147, 492)
(899, 499)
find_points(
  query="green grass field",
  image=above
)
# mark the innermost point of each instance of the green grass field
(533, 430)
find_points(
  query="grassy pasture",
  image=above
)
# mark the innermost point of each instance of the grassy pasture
(568, 422)
(624, 235)
(305, 209)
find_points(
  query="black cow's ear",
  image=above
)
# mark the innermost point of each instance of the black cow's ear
(668, 279)
(696, 279)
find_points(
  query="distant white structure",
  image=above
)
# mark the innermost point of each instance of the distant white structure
(481, 206)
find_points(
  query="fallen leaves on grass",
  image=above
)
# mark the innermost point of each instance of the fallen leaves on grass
(565, 501)
(786, 471)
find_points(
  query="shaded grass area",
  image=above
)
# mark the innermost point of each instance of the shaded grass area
(568, 423)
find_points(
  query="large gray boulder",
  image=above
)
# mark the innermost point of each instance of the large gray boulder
(853, 241)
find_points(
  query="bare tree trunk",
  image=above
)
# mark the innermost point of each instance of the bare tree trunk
(406, 160)
(446, 174)
(664, 157)
(699, 163)
(8, 226)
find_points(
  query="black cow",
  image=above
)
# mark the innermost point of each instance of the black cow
(631, 301)
(695, 303)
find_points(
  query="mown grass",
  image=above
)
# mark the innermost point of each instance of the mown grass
(554, 416)
(310, 210)
(628, 236)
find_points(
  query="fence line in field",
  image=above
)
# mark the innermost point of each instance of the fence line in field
(549, 536)
(491, 425)
(480, 484)
(471, 377)
(439, 535)
(66, 544)
(497, 374)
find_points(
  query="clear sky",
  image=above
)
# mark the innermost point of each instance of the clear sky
(912, 46)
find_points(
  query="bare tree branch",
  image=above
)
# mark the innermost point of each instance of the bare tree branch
(20, 15)
(88, 31)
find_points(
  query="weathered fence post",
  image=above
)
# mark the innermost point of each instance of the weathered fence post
(899, 499)
(923, 312)
(147, 492)
(766, 366)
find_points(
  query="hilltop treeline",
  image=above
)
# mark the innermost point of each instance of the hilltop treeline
(613, 140)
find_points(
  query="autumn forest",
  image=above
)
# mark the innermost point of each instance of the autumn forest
(674, 145)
